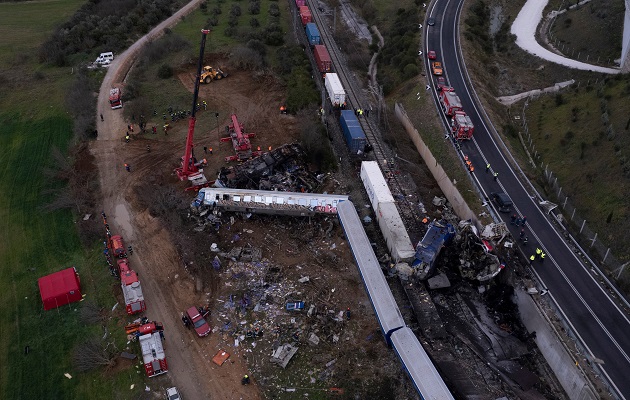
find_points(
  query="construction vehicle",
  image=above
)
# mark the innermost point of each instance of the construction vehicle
(115, 98)
(450, 101)
(210, 74)
(132, 291)
(462, 126)
(240, 141)
(189, 165)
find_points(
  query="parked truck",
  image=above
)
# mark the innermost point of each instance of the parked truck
(450, 101)
(462, 126)
(131, 289)
(335, 90)
(116, 246)
(115, 98)
(153, 356)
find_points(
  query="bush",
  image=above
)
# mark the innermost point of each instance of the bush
(274, 10)
(254, 8)
(254, 23)
(559, 100)
(165, 71)
(235, 11)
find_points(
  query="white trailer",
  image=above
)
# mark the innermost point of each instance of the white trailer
(375, 184)
(392, 226)
(336, 93)
(395, 233)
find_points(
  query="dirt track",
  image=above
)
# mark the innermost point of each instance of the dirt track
(155, 259)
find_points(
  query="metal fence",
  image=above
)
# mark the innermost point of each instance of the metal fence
(599, 252)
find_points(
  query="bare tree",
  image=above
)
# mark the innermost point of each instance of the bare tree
(80, 182)
(90, 313)
(94, 353)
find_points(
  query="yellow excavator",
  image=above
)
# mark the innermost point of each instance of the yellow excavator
(210, 74)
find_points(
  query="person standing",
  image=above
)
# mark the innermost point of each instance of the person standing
(487, 167)
(128, 167)
(210, 150)
(496, 176)
(205, 149)
(102, 118)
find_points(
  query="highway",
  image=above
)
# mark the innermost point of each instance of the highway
(602, 328)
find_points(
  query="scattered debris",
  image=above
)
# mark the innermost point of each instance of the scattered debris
(283, 354)
(220, 357)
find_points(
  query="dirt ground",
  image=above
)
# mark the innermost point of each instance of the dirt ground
(171, 275)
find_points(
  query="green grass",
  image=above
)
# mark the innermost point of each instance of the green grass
(588, 162)
(34, 243)
(25, 25)
(594, 29)
(217, 41)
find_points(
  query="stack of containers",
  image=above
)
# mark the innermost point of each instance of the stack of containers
(389, 221)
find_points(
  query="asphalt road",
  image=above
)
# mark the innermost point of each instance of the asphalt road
(602, 327)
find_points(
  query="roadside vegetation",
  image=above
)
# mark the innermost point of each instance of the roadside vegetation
(580, 132)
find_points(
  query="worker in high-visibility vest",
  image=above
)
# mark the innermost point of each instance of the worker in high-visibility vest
(538, 251)
(532, 258)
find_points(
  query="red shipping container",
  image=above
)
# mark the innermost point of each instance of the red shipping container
(300, 3)
(322, 58)
(305, 15)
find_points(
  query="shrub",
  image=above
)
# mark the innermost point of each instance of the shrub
(165, 71)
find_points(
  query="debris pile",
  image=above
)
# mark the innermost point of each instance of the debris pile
(281, 169)
(475, 260)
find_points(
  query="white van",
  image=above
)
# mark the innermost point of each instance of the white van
(105, 58)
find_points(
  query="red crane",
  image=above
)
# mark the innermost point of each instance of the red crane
(240, 141)
(190, 167)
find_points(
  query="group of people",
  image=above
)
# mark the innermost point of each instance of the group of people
(539, 253)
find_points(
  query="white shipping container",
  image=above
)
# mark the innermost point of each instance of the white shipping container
(375, 184)
(394, 232)
(336, 93)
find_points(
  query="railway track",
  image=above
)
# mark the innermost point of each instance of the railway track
(355, 100)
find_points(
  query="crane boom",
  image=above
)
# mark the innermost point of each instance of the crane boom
(188, 167)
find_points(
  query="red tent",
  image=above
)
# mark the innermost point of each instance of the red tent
(60, 288)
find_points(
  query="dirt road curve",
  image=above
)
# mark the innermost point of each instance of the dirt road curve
(167, 287)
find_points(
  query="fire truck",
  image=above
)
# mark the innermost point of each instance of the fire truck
(153, 357)
(132, 291)
(115, 98)
(450, 101)
(462, 126)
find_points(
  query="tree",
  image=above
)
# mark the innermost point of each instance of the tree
(94, 353)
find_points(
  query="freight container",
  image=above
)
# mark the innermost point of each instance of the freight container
(394, 232)
(375, 184)
(322, 58)
(305, 15)
(352, 131)
(312, 34)
(300, 3)
(336, 93)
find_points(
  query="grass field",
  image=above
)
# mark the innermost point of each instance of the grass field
(34, 243)
(593, 30)
(591, 163)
